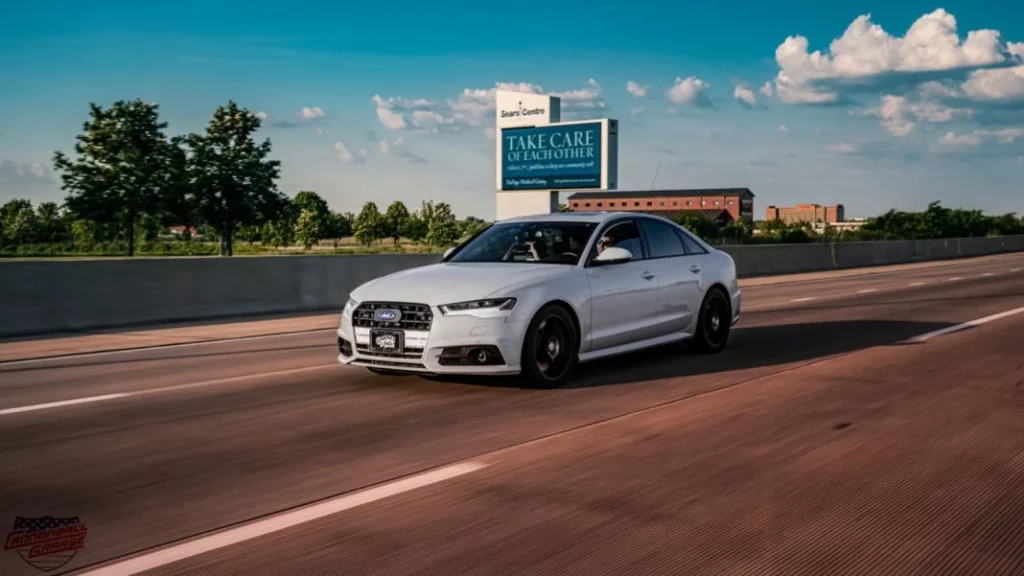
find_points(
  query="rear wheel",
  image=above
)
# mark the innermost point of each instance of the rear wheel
(549, 349)
(713, 323)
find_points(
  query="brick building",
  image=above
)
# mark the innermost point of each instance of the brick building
(813, 213)
(721, 204)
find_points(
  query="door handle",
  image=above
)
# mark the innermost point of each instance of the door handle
(647, 275)
(694, 268)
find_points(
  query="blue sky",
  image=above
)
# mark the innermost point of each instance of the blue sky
(904, 103)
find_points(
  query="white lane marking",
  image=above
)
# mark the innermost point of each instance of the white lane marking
(966, 325)
(954, 278)
(989, 274)
(20, 409)
(867, 290)
(808, 299)
(281, 521)
(1014, 269)
(916, 284)
(176, 387)
(160, 347)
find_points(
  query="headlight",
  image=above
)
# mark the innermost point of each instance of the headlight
(492, 304)
(350, 306)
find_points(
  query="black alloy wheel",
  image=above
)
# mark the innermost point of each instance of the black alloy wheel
(714, 322)
(549, 350)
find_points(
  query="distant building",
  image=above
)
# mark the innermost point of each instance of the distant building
(723, 205)
(846, 225)
(813, 213)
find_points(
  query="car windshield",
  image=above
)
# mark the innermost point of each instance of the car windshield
(550, 242)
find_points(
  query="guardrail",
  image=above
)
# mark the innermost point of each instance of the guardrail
(49, 296)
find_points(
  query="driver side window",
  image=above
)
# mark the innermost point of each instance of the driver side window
(622, 235)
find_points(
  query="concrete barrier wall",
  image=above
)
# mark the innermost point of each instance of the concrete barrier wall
(48, 296)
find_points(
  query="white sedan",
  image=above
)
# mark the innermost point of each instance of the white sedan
(537, 295)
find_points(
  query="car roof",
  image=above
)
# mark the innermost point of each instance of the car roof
(596, 217)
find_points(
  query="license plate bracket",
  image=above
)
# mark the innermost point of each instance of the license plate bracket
(387, 341)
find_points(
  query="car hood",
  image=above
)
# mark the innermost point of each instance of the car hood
(446, 283)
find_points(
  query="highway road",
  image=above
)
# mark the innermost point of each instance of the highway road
(871, 424)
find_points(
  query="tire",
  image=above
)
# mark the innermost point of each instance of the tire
(550, 348)
(713, 323)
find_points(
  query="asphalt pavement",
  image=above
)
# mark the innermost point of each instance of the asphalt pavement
(854, 425)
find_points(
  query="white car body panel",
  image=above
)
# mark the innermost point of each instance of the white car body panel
(619, 307)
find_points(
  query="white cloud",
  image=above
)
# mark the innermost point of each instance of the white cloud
(474, 107)
(783, 128)
(490, 132)
(348, 155)
(310, 113)
(767, 90)
(692, 91)
(842, 148)
(391, 119)
(672, 112)
(261, 115)
(397, 149)
(745, 96)
(866, 54)
(636, 111)
(952, 141)
(996, 85)
(901, 114)
(636, 89)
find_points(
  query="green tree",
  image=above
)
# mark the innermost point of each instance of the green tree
(700, 225)
(84, 233)
(123, 170)
(313, 220)
(471, 225)
(338, 226)
(394, 220)
(368, 224)
(307, 228)
(443, 229)
(18, 221)
(232, 176)
(51, 225)
(415, 227)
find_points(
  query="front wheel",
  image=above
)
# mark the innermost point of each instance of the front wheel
(549, 349)
(713, 323)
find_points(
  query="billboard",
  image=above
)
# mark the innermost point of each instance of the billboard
(565, 156)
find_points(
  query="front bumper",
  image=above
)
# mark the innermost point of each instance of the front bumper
(423, 349)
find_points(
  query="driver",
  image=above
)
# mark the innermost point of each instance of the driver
(603, 243)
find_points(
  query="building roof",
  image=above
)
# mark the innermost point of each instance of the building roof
(696, 192)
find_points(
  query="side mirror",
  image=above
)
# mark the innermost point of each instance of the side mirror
(613, 255)
(448, 252)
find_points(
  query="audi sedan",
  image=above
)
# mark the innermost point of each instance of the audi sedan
(538, 295)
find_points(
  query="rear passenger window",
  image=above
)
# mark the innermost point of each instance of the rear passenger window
(662, 239)
(691, 245)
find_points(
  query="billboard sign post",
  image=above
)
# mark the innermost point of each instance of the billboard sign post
(537, 156)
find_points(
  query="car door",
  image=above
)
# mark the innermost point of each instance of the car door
(679, 276)
(624, 297)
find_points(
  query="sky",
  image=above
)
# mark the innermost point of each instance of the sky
(874, 105)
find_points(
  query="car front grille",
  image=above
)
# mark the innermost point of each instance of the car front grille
(414, 316)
